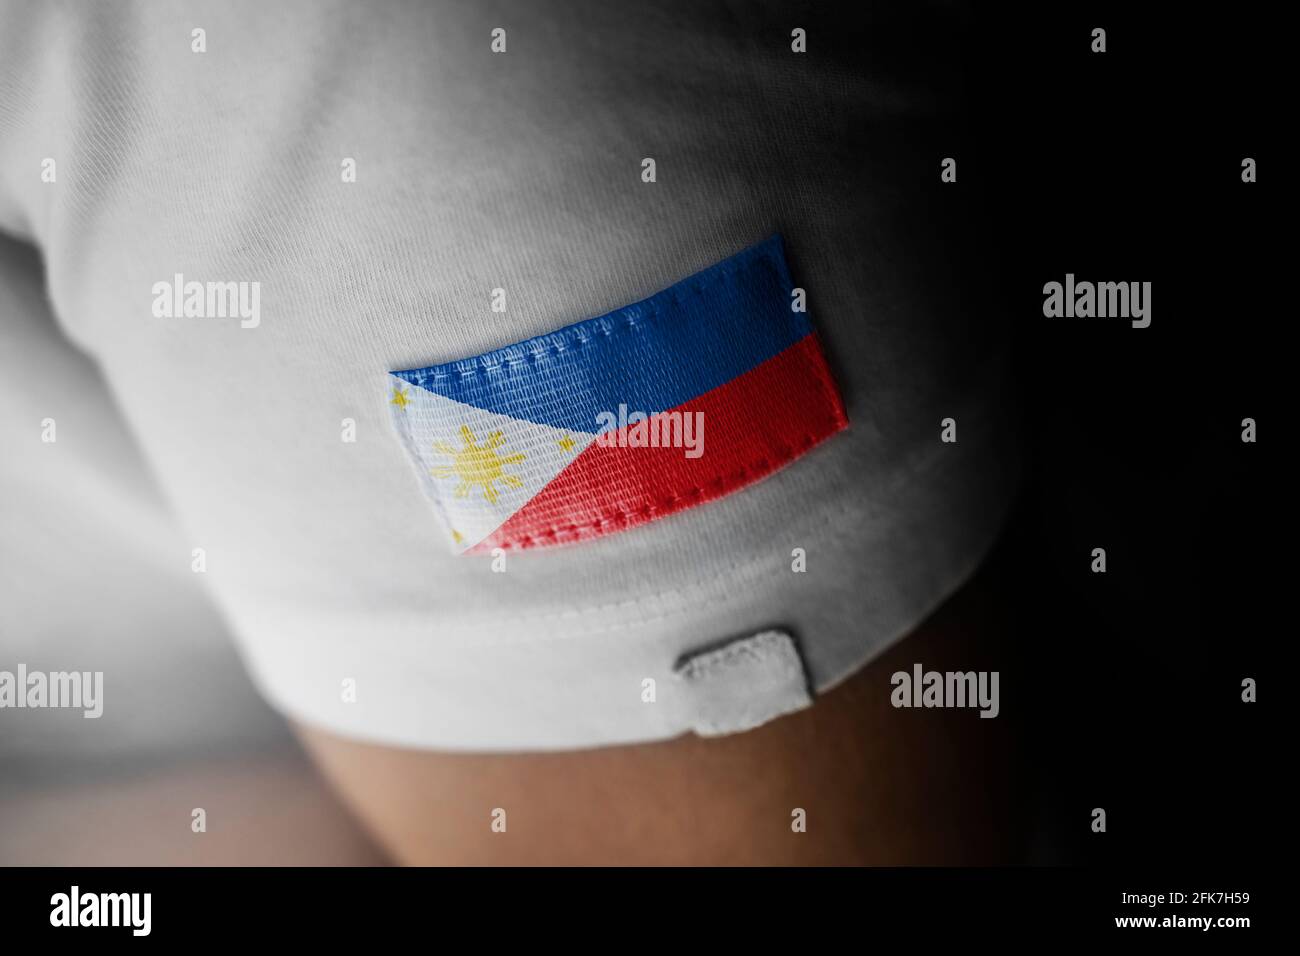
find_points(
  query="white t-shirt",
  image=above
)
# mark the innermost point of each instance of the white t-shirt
(379, 171)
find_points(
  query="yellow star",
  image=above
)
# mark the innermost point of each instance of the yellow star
(457, 536)
(566, 443)
(399, 397)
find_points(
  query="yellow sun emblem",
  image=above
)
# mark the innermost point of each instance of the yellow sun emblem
(477, 465)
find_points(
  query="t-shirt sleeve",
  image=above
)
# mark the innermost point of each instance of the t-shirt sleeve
(275, 225)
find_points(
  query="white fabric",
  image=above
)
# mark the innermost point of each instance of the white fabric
(745, 683)
(478, 171)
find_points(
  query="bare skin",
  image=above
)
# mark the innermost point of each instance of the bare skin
(879, 785)
(266, 809)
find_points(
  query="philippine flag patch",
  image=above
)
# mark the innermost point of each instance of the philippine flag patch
(687, 396)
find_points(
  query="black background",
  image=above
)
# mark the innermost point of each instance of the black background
(1117, 166)
(1127, 166)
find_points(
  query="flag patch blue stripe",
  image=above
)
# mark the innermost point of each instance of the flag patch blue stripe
(652, 356)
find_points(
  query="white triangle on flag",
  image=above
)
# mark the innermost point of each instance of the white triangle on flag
(477, 467)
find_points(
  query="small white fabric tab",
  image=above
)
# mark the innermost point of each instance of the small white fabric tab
(743, 684)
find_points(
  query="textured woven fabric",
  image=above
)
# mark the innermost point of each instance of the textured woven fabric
(534, 444)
